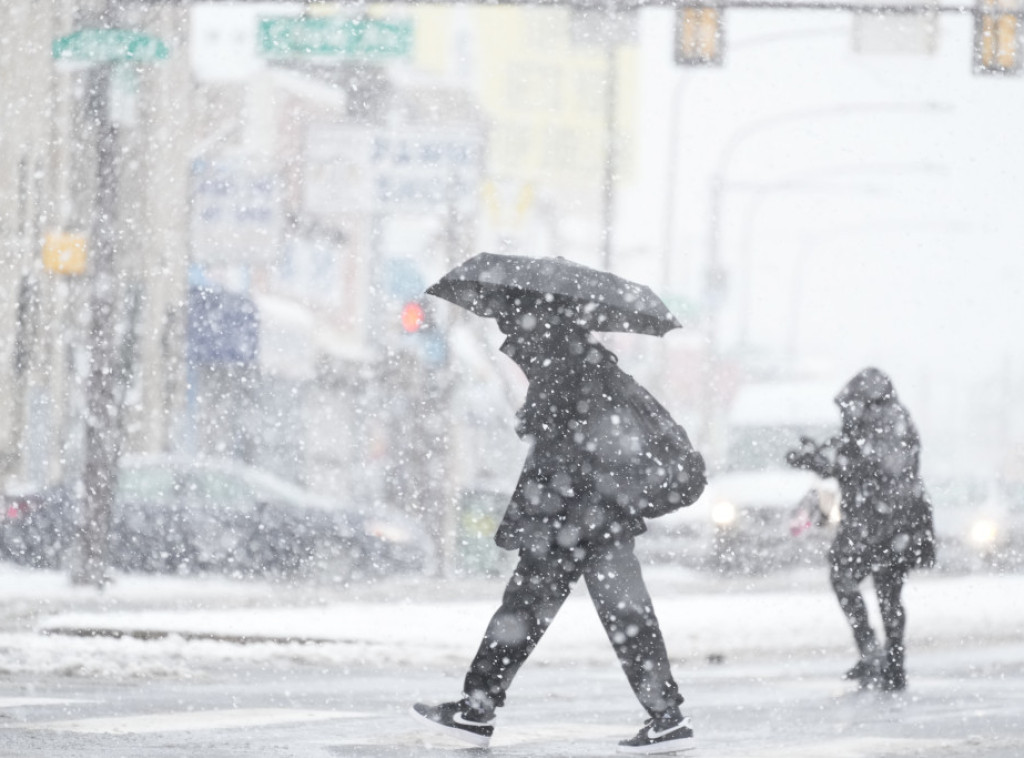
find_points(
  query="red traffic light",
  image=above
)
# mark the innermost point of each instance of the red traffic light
(413, 317)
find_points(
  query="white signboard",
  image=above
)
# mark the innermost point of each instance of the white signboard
(425, 169)
(236, 212)
(408, 169)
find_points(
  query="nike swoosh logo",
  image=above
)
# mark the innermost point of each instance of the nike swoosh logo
(654, 734)
(458, 718)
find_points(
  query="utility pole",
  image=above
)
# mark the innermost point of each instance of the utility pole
(103, 406)
(102, 46)
(610, 157)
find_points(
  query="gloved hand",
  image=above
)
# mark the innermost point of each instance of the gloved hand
(797, 458)
(807, 456)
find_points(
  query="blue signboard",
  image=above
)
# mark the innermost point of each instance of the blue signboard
(223, 327)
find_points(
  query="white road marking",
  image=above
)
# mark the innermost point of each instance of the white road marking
(854, 747)
(549, 734)
(515, 735)
(28, 702)
(235, 718)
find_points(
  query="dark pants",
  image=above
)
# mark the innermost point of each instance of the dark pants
(850, 566)
(536, 591)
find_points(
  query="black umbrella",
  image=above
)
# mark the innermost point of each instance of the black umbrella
(489, 285)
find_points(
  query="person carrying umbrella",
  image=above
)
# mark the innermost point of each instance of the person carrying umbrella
(604, 455)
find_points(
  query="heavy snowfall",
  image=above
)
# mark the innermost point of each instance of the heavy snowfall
(253, 471)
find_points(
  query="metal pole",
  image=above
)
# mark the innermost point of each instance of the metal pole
(102, 409)
(715, 284)
(668, 220)
(628, 6)
(608, 184)
(103, 399)
(444, 381)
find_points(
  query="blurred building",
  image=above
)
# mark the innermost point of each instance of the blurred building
(366, 174)
(48, 170)
(274, 215)
(543, 78)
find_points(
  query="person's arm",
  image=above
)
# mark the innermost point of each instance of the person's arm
(821, 458)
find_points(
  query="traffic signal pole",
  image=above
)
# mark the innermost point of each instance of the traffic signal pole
(103, 407)
(610, 152)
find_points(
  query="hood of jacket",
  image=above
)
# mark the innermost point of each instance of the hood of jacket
(870, 386)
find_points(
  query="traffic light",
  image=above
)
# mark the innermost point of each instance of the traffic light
(699, 36)
(65, 253)
(421, 335)
(997, 37)
(413, 317)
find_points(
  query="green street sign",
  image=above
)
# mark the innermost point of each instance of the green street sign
(102, 45)
(358, 38)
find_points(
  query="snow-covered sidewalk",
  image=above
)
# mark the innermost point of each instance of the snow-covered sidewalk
(159, 625)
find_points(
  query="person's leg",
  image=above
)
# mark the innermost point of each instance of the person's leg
(848, 567)
(538, 587)
(889, 589)
(623, 604)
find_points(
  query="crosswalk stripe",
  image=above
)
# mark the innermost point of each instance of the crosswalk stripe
(235, 718)
(505, 736)
(29, 702)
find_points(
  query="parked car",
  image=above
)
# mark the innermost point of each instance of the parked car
(35, 528)
(184, 515)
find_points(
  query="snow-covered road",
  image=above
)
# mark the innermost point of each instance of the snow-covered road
(156, 666)
(143, 626)
(960, 705)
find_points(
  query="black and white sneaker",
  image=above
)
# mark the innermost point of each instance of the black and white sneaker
(663, 735)
(456, 720)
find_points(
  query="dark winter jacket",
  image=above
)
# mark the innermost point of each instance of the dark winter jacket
(575, 485)
(875, 459)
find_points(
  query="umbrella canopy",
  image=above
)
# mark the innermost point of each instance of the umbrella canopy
(490, 285)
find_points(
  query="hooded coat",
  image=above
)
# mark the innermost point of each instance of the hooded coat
(886, 514)
(590, 427)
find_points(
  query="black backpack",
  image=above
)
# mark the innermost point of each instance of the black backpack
(649, 456)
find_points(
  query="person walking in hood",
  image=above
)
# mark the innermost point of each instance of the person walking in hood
(575, 511)
(885, 526)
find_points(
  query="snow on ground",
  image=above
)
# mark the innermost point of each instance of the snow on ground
(183, 626)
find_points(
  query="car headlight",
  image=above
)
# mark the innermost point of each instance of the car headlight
(984, 532)
(723, 513)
